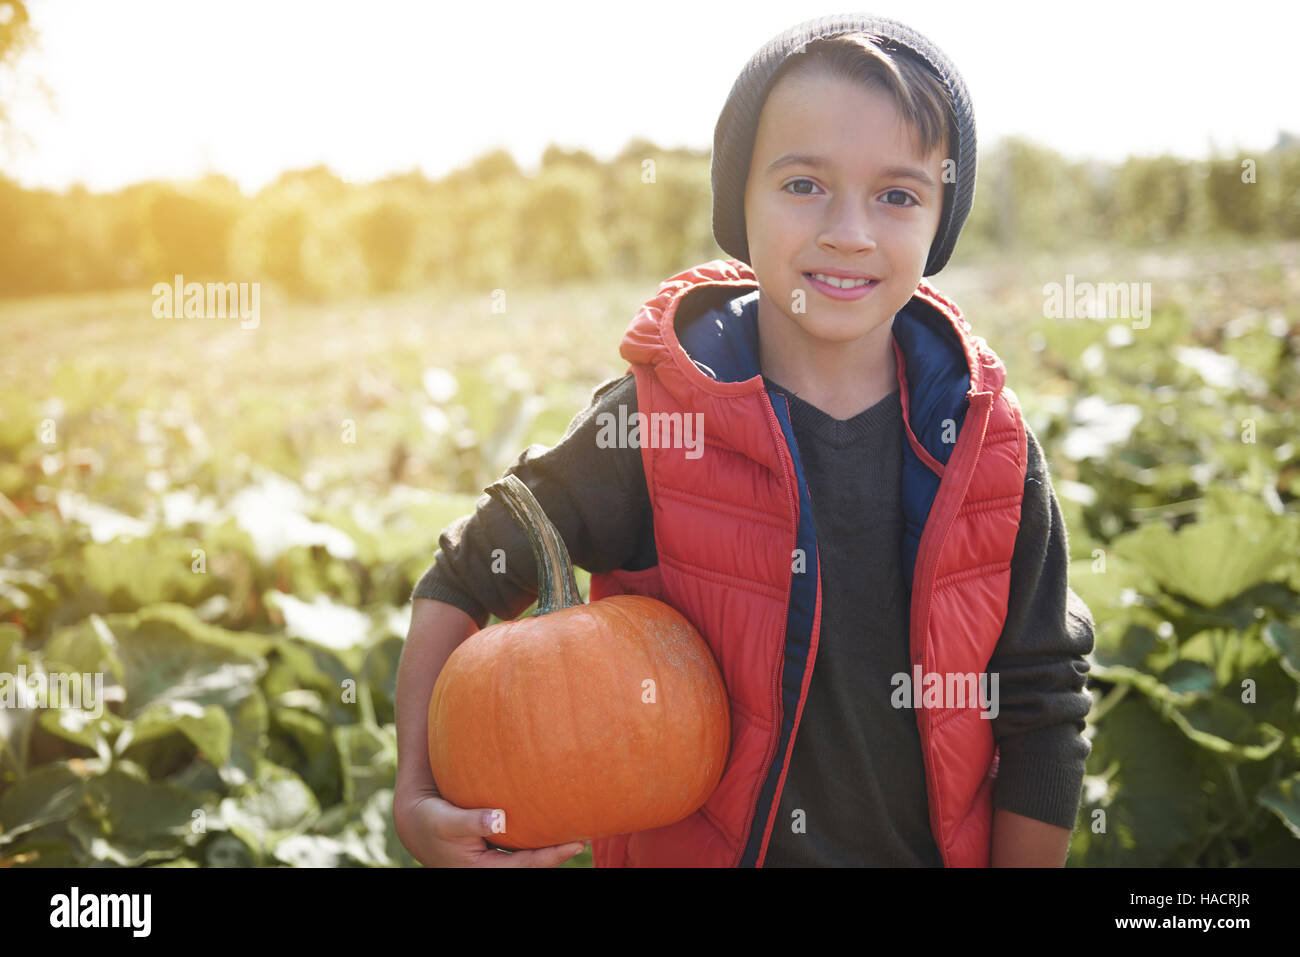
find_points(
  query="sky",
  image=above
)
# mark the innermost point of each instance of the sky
(139, 89)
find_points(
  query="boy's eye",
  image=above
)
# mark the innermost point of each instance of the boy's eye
(795, 182)
(899, 192)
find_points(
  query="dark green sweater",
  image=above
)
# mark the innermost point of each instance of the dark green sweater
(855, 791)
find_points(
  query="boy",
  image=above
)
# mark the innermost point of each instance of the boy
(869, 511)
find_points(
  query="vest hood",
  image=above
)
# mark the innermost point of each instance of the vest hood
(700, 331)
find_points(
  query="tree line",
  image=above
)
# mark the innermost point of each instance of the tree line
(647, 211)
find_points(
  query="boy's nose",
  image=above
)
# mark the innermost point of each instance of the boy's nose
(848, 235)
(848, 227)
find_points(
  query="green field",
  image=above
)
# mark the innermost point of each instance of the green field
(227, 523)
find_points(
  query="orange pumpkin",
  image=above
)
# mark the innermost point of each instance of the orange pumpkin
(583, 720)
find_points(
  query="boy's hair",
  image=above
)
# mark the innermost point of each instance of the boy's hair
(920, 98)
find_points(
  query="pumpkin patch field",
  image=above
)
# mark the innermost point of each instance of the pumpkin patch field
(209, 535)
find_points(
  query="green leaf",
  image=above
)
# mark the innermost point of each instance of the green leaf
(81, 728)
(25, 591)
(277, 805)
(169, 654)
(1284, 640)
(1283, 799)
(1188, 677)
(296, 665)
(144, 811)
(89, 647)
(49, 793)
(379, 670)
(126, 574)
(1238, 614)
(249, 739)
(1157, 807)
(1109, 594)
(50, 845)
(369, 759)
(99, 847)
(208, 728)
(370, 839)
(317, 759)
(395, 529)
(1131, 654)
(1211, 561)
(1212, 650)
(180, 677)
(16, 722)
(15, 732)
(1226, 728)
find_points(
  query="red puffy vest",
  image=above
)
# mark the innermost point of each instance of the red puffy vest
(738, 556)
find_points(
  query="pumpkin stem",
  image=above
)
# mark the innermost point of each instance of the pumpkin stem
(556, 587)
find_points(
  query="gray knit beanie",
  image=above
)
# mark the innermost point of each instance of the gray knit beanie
(733, 137)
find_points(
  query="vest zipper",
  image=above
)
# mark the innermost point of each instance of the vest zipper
(927, 562)
(793, 498)
(770, 753)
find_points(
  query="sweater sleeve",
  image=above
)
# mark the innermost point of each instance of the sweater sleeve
(591, 495)
(1041, 665)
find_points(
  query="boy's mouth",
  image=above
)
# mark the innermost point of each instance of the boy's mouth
(843, 290)
(839, 282)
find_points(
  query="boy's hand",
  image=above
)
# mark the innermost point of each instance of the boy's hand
(439, 834)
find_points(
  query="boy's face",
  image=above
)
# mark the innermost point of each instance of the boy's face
(854, 209)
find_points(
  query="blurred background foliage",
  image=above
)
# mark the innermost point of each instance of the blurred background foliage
(646, 211)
